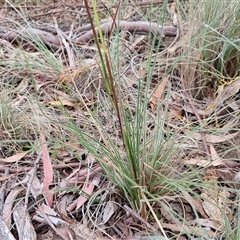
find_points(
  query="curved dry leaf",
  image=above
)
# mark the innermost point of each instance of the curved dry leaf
(13, 158)
(212, 209)
(215, 206)
(108, 211)
(157, 95)
(36, 187)
(205, 223)
(216, 160)
(215, 201)
(23, 222)
(204, 163)
(3, 178)
(47, 169)
(47, 210)
(83, 232)
(63, 102)
(198, 162)
(8, 205)
(66, 232)
(198, 231)
(229, 91)
(5, 231)
(215, 138)
(224, 93)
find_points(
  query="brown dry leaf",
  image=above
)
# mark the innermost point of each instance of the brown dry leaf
(8, 205)
(205, 223)
(13, 158)
(216, 160)
(83, 232)
(214, 203)
(5, 231)
(3, 178)
(202, 162)
(2, 12)
(134, 78)
(157, 95)
(48, 171)
(35, 185)
(62, 206)
(224, 93)
(108, 211)
(63, 99)
(213, 209)
(65, 231)
(166, 212)
(23, 222)
(175, 111)
(185, 229)
(198, 162)
(60, 95)
(215, 138)
(63, 102)
(198, 205)
(225, 174)
(21, 88)
(196, 202)
(223, 197)
(52, 221)
(47, 210)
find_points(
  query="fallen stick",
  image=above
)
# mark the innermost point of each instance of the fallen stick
(139, 27)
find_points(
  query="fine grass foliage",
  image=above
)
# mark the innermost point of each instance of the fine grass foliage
(9, 125)
(210, 49)
(145, 166)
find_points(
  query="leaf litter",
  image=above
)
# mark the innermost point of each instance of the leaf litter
(59, 192)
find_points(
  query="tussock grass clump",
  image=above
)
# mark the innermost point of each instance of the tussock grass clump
(146, 167)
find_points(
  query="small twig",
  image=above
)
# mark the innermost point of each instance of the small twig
(138, 27)
(120, 234)
(46, 37)
(175, 40)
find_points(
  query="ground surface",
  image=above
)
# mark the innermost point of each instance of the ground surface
(51, 186)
